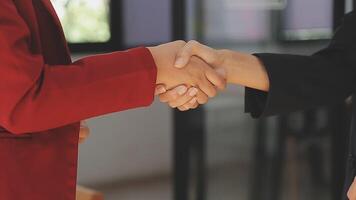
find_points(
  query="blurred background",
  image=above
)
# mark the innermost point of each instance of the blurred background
(216, 152)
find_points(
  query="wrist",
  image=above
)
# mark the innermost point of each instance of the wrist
(154, 54)
(246, 70)
(164, 60)
(224, 61)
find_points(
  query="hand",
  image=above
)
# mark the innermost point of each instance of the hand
(241, 68)
(351, 194)
(181, 97)
(84, 132)
(213, 57)
(196, 73)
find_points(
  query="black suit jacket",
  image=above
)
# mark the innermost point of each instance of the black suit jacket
(302, 82)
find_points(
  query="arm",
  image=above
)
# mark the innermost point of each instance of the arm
(37, 96)
(293, 82)
(302, 82)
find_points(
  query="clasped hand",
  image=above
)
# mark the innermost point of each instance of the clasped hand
(187, 74)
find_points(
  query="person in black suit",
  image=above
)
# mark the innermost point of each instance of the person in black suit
(281, 83)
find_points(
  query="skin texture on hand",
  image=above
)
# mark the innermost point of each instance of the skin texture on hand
(239, 68)
(196, 73)
(191, 99)
(351, 194)
(185, 101)
(193, 48)
(246, 70)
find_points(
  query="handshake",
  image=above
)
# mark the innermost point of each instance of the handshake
(188, 74)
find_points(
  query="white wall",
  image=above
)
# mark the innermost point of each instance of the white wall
(127, 144)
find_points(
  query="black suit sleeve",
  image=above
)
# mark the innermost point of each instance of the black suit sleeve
(302, 82)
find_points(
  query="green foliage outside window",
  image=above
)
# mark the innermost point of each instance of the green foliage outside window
(84, 21)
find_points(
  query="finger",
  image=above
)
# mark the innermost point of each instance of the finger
(208, 88)
(215, 78)
(202, 98)
(352, 193)
(160, 89)
(168, 96)
(182, 108)
(173, 94)
(183, 56)
(83, 133)
(195, 105)
(194, 48)
(192, 104)
(188, 96)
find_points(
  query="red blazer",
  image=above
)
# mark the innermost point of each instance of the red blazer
(43, 96)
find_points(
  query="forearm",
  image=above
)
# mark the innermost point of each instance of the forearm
(244, 69)
(40, 94)
(64, 94)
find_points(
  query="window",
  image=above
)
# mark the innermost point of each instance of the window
(228, 22)
(84, 21)
(107, 25)
(146, 22)
(301, 22)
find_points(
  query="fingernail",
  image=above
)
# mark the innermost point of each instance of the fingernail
(193, 91)
(221, 72)
(181, 90)
(179, 63)
(160, 90)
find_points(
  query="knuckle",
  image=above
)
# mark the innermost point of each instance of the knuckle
(193, 42)
(180, 41)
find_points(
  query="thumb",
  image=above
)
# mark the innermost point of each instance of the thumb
(183, 56)
(160, 89)
(194, 48)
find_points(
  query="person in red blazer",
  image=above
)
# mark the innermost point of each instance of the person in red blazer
(44, 96)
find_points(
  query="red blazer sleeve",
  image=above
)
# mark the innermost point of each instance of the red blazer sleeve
(35, 96)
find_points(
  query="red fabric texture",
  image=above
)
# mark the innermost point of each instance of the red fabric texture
(44, 96)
